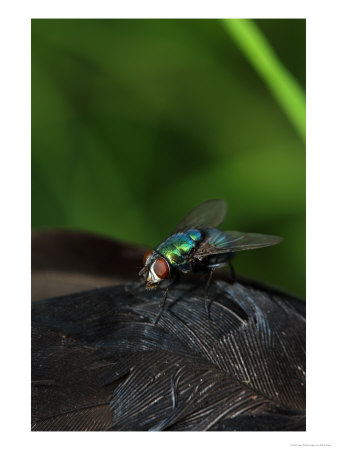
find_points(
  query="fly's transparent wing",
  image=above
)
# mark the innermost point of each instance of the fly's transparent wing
(208, 214)
(217, 241)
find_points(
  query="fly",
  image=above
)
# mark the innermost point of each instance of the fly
(197, 245)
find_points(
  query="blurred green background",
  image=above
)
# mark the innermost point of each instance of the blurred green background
(134, 122)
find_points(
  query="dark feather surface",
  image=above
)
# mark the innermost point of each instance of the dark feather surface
(99, 362)
(67, 261)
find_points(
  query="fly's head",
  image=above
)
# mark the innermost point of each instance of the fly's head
(156, 269)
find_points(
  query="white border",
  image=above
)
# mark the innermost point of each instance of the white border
(321, 221)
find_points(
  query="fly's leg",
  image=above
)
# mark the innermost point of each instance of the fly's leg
(233, 276)
(162, 304)
(206, 292)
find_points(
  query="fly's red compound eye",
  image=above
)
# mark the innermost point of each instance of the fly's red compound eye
(161, 268)
(147, 254)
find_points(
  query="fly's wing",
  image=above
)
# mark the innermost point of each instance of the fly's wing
(208, 214)
(217, 241)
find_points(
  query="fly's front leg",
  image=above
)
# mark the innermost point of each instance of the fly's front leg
(162, 305)
(206, 292)
(175, 277)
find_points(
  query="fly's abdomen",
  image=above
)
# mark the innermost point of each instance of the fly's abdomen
(178, 247)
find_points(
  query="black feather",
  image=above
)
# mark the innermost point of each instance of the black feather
(100, 363)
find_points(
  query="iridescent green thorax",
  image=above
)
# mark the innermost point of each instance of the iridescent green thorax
(178, 246)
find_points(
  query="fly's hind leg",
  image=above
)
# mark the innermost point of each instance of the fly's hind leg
(207, 303)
